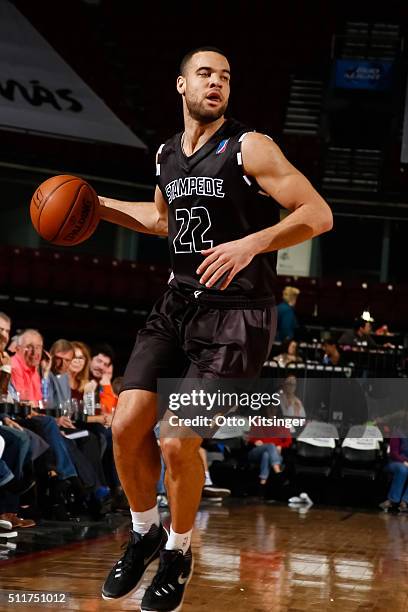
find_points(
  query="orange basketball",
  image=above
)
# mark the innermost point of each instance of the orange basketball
(65, 210)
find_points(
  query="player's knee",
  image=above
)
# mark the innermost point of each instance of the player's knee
(118, 429)
(177, 452)
(125, 429)
(133, 419)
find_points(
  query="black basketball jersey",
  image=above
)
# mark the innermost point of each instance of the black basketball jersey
(210, 202)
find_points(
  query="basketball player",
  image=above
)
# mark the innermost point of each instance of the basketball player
(219, 186)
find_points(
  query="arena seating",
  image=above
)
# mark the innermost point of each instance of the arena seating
(60, 275)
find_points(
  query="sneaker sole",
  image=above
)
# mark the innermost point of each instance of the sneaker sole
(129, 593)
(185, 588)
(135, 588)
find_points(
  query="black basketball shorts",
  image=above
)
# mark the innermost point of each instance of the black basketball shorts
(183, 338)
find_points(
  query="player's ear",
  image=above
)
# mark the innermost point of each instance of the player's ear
(181, 84)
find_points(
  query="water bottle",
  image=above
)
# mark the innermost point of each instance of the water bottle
(44, 388)
(89, 403)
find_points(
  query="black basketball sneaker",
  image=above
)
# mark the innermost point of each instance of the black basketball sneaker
(166, 592)
(127, 574)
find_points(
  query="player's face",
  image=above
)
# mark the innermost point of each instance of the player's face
(206, 86)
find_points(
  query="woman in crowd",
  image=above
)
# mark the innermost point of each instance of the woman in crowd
(79, 371)
(267, 443)
(289, 353)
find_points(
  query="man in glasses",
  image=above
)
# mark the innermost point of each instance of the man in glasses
(59, 390)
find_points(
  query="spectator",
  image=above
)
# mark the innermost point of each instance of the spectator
(398, 466)
(289, 353)
(331, 356)
(287, 321)
(79, 370)
(25, 378)
(101, 368)
(266, 446)
(360, 334)
(5, 359)
(59, 390)
(290, 404)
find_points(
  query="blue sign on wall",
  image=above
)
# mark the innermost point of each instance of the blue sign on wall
(363, 74)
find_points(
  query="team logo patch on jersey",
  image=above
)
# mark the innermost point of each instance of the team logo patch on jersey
(222, 146)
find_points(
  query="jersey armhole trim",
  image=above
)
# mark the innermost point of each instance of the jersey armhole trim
(160, 149)
(240, 163)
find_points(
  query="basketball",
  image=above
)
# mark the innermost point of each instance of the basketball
(64, 210)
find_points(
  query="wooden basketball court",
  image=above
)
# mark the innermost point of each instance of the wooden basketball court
(248, 557)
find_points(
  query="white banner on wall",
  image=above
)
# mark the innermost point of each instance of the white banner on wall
(39, 92)
(295, 260)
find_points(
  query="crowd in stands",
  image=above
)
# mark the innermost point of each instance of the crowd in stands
(56, 414)
(56, 411)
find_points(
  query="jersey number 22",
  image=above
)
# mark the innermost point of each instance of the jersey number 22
(194, 224)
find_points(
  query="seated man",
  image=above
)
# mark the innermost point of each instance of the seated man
(25, 378)
(26, 382)
(101, 373)
(59, 390)
(359, 334)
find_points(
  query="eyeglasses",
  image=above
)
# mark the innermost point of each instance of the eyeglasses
(34, 348)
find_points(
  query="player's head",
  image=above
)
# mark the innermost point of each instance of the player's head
(204, 83)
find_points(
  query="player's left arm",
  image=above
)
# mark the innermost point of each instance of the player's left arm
(310, 214)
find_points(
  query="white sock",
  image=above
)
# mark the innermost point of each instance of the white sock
(179, 541)
(142, 521)
(208, 481)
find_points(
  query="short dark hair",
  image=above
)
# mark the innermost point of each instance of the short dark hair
(103, 349)
(190, 54)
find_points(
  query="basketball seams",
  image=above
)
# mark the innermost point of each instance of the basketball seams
(74, 178)
(93, 216)
(67, 214)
